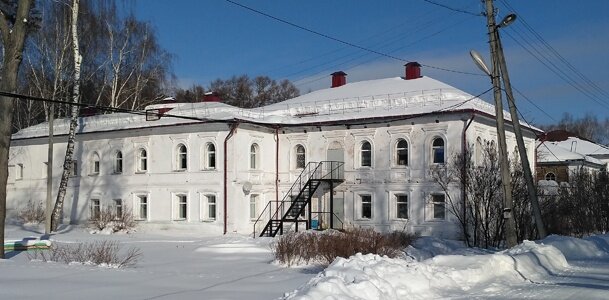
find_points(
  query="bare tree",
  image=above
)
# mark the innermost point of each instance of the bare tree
(55, 218)
(14, 26)
(242, 91)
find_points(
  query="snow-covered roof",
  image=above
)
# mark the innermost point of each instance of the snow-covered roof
(583, 146)
(389, 97)
(553, 152)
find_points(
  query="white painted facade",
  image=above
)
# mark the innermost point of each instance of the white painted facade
(325, 123)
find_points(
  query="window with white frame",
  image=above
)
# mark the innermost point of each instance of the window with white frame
(142, 161)
(181, 207)
(401, 153)
(300, 157)
(19, 172)
(118, 207)
(366, 154)
(95, 206)
(182, 157)
(253, 207)
(118, 162)
(438, 206)
(254, 156)
(211, 207)
(551, 176)
(401, 206)
(141, 207)
(437, 151)
(365, 206)
(210, 158)
(95, 167)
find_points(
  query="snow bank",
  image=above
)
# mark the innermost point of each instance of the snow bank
(375, 277)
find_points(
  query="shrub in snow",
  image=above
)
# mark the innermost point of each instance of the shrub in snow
(101, 253)
(108, 220)
(32, 213)
(314, 247)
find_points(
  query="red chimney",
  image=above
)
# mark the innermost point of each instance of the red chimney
(339, 79)
(413, 70)
(211, 97)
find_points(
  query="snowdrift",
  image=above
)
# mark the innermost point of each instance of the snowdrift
(435, 268)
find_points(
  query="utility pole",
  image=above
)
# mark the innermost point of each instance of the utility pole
(49, 202)
(509, 224)
(526, 168)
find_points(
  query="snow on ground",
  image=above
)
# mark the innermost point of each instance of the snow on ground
(177, 264)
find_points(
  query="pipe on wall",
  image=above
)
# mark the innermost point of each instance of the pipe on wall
(277, 164)
(464, 176)
(233, 129)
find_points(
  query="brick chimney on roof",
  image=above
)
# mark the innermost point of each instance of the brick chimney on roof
(339, 79)
(211, 97)
(413, 70)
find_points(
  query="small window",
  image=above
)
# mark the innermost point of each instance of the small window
(551, 176)
(95, 164)
(95, 209)
(142, 160)
(181, 207)
(401, 202)
(366, 206)
(401, 153)
(300, 157)
(19, 173)
(211, 156)
(254, 156)
(118, 162)
(253, 209)
(211, 207)
(366, 154)
(182, 157)
(118, 208)
(437, 151)
(74, 168)
(438, 206)
(142, 207)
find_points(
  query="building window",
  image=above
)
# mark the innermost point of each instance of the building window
(401, 202)
(95, 209)
(142, 207)
(211, 207)
(118, 162)
(118, 208)
(437, 151)
(253, 209)
(366, 206)
(211, 156)
(438, 206)
(401, 153)
(551, 176)
(95, 164)
(181, 207)
(74, 168)
(142, 160)
(254, 156)
(19, 172)
(366, 154)
(182, 157)
(300, 157)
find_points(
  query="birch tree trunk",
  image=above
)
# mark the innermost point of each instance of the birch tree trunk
(57, 210)
(13, 37)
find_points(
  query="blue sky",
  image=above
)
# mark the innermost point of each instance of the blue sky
(216, 39)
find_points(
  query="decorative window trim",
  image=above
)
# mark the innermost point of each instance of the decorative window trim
(118, 162)
(257, 198)
(204, 207)
(297, 156)
(394, 153)
(255, 161)
(430, 213)
(138, 161)
(394, 210)
(430, 149)
(95, 208)
(359, 208)
(360, 152)
(137, 216)
(205, 156)
(176, 204)
(180, 157)
(550, 176)
(95, 160)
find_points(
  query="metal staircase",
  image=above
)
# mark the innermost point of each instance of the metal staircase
(291, 209)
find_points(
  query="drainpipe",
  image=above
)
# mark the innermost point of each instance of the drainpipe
(277, 165)
(464, 176)
(233, 129)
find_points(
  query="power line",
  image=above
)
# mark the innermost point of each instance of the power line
(454, 9)
(342, 41)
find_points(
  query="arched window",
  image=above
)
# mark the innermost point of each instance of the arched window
(118, 162)
(142, 160)
(254, 156)
(95, 163)
(437, 151)
(182, 163)
(366, 154)
(300, 157)
(551, 176)
(401, 153)
(211, 156)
